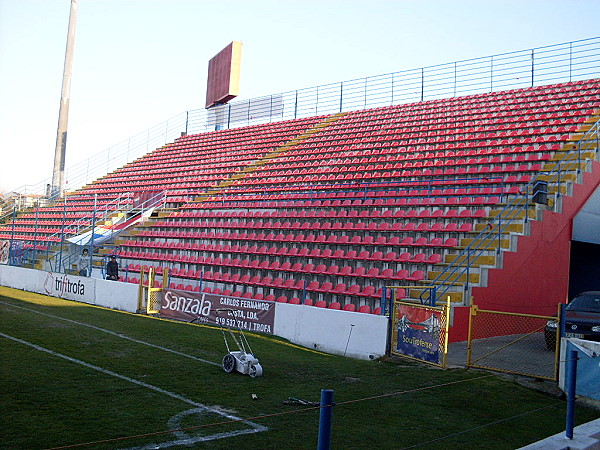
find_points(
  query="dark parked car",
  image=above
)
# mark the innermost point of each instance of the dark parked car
(582, 319)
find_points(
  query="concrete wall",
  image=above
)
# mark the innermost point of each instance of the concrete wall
(356, 335)
(121, 296)
(588, 367)
(115, 295)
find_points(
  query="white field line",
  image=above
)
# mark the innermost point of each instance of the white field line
(183, 439)
(112, 333)
(254, 428)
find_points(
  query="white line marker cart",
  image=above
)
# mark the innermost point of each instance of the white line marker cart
(242, 360)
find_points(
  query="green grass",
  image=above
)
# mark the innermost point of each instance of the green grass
(48, 401)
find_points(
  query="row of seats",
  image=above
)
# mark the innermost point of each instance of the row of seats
(270, 297)
(284, 253)
(299, 267)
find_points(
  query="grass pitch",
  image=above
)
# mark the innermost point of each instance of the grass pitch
(76, 374)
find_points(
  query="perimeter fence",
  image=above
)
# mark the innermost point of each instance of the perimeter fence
(521, 344)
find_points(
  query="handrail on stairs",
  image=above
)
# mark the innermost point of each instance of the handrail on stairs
(118, 205)
(508, 215)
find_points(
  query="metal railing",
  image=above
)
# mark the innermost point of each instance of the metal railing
(572, 161)
(570, 61)
(59, 262)
(367, 190)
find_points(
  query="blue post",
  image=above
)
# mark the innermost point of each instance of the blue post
(325, 419)
(11, 248)
(303, 292)
(560, 331)
(62, 237)
(91, 241)
(383, 297)
(571, 382)
(35, 232)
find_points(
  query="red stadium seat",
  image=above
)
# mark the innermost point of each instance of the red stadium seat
(364, 309)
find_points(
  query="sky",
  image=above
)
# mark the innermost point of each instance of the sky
(139, 62)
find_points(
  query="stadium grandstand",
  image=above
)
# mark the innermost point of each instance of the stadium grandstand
(438, 191)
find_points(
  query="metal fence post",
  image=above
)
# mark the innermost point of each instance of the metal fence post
(560, 332)
(499, 229)
(62, 237)
(35, 232)
(454, 92)
(422, 83)
(527, 204)
(91, 242)
(578, 160)
(12, 236)
(532, 66)
(570, 61)
(296, 106)
(303, 292)
(492, 73)
(326, 413)
(571, 384)
(317, 103)
(468, 267)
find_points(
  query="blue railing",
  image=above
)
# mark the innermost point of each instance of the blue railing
(570, 61)
(483, 242)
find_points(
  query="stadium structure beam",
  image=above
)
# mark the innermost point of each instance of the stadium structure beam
(58, 173)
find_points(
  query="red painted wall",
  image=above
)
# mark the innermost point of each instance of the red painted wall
(536, 277)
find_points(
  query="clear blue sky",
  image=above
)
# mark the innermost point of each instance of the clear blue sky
(139, 62)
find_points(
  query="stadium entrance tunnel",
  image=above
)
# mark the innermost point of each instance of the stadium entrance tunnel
(584, 268)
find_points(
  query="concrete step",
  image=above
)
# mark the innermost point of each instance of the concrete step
(481, 260)
(455, 277)
(415, 295)
(512, 228)
(489, 243)
(516, 214)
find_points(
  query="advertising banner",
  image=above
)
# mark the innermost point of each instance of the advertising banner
(418, 332)
(69, 287)
(233, 312)
(16, 253)
(4, 251)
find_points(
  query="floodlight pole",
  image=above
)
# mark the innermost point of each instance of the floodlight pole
(58, 173)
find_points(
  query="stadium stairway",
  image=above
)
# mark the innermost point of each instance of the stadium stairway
(265, 159)
(531, 274)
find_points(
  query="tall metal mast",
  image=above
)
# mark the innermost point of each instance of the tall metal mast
(58, 174)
